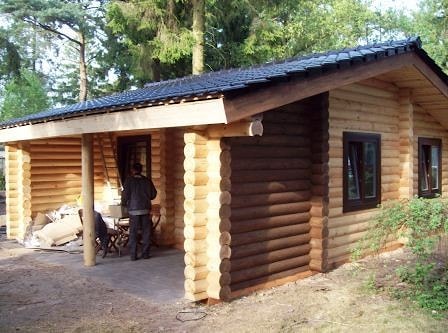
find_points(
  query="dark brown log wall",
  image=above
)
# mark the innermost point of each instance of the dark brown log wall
(272, 179)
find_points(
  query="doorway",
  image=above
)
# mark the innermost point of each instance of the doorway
(131, 150)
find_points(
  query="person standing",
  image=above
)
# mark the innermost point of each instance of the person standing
(138, 191)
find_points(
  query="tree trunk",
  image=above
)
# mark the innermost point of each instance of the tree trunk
(198, 34)
(82, 68)
(155, 68)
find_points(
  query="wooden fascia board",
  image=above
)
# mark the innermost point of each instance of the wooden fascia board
(173, 115)
(282, 93)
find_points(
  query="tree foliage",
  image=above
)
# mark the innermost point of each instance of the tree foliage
(23, 94)
(431, 23)
(157, 34)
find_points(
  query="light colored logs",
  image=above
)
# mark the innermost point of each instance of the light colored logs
(218, 225)
(195, 215)
(195, 192)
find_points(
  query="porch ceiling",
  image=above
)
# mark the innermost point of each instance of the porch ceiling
(424, 92)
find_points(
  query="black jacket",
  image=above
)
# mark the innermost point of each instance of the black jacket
(138, 191)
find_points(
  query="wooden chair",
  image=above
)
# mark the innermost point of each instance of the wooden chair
(155, 217)
(113, 238)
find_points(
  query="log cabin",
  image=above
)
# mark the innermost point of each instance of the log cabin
(265, 174)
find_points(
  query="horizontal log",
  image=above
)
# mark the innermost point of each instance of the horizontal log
(269, 234)
(345, 240)
(242, 128)
(195, 287)
(195, 151)
(269, 257)
(269, 164)
(196, 273)
(241, 214)
(56, 141)
(270, 187)
(277, 140)
(272, 268)
(197, 165)
(250, 225)
(285, 129)
(196, 178)
(195, 138)
(270, 281)
(191, 232)
(196, 206)
(194, 219)
(270, 152)
(270, 245)
(218, 279)
(245, 176)
(195, 259)
(269, 199)
(197, 246)
(195, 192)
(219, 292)
(348, 229)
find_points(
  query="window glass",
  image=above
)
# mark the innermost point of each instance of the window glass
(435, 167)
(354, 167)
(370, 163)
(429, 156)
(361, 171)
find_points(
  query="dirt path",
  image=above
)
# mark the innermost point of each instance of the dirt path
(39, 297)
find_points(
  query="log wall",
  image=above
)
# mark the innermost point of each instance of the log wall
(18, 190)
(426, 126)
(177, 138)
(278, 184)
(195, 205)
(371, 106)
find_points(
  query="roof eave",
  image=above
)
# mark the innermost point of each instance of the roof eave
(194, 113)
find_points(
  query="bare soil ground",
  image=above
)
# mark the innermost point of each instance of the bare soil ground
(39, 297)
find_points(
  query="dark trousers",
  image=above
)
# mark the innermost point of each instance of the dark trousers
(136, 223)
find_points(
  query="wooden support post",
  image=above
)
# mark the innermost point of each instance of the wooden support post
(195, 245)
(87, 200)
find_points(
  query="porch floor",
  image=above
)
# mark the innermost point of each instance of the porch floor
(159, 279)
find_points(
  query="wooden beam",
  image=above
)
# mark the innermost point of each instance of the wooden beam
(241, 128)
(87, 200)
(273, 96)
(173, 115)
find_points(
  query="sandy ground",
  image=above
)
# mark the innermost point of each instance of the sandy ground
(40, 297)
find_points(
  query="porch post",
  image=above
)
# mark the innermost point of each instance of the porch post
(87, 200)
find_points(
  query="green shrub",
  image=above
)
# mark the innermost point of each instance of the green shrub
(422, 222)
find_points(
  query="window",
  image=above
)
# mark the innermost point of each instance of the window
(361, 171)
(429, 167)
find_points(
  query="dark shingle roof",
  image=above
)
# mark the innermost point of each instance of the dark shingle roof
(222, 82)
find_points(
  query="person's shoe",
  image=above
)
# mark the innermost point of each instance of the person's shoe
(146, 256)
(105, 252)
(134, 258)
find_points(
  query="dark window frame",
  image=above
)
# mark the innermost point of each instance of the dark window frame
(350, 205)
(431, 142)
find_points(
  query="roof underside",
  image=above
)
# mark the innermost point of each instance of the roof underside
(238, 81)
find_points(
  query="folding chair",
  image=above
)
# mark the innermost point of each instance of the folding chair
(155, 217)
